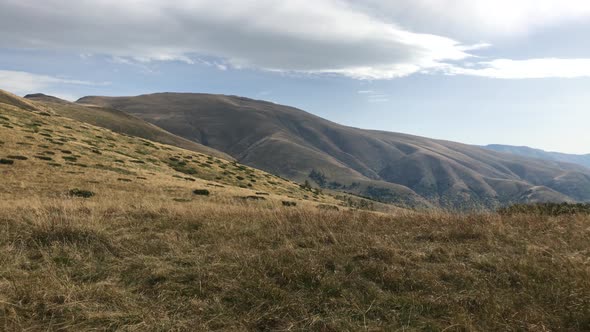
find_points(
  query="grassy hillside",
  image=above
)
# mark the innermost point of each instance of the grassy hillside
(135, 263)
(120, 122)
(106, 232)
(387, 166)
(46, 154)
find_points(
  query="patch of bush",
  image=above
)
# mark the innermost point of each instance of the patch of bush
(289, 203)
(328, 207)
(17, 157)
(124, 180)
(253, 198)
(546, 209)
(44, 158)
(6, 162)
(70, 158)
(201, 192)
(80, 193)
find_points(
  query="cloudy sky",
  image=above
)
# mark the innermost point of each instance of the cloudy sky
(474, 71)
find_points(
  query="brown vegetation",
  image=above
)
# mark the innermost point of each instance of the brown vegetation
(107, 263)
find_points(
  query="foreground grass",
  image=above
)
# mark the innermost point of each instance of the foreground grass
(75, 264)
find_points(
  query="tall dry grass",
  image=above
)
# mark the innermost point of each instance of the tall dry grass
(133, 265)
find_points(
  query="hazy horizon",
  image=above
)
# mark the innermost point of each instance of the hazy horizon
(473, 72)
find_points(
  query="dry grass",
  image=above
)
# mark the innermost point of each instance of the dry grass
(145, 253)
(48, 155)
(109, 263)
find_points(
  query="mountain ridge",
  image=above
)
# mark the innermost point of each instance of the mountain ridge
(391, 167)
(580, 159)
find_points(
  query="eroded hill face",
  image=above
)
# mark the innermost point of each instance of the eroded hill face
(44, 155)
(387, 166)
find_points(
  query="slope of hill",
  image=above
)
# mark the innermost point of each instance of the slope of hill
(103, 231)
(50, 155)
(387, 166)
(525, 151)
(119, 122)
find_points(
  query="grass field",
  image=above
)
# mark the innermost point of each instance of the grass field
(147, 265)
(107, 232)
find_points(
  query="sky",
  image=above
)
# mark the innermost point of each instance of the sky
(473, 71)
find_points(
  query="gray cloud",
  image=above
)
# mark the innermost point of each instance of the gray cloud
(328, 36)
(477, 19)
(321, 37)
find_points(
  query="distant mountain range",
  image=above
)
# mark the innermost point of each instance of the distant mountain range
(389, 167)
(581, 159)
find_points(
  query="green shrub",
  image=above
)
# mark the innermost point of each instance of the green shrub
(328, 207)
(201, 192)
(81, 193)
(546, 209)
(253, 198)
(17, 157)
(6, 162)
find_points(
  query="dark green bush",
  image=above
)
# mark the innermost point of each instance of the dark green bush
(81, 193)
(17, 157)
(546, 209)
(6, 161)
(328, 207)
(202, 192)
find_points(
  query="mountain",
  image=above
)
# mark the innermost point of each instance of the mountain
(580, 159)
(390, 167)
(119, 122)
(50, 155)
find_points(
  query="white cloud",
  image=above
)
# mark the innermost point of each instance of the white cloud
(341, 37)
(374, 96)
(20, 82)
(523, 69)
(479, 18)
(326, 36)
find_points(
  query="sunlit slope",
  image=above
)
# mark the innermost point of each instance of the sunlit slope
(44, 154)
(120, 122)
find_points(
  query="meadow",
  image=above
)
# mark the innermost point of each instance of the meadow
(105, 231)
(122, 263)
